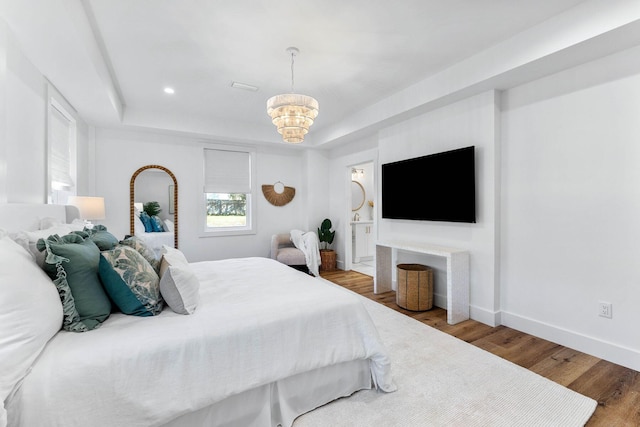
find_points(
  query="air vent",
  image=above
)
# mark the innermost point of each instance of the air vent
(244, 86)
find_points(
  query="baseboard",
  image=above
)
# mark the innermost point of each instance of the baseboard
(491, 318)
(611, 352)
(478, 314)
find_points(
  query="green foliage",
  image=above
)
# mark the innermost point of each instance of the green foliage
(325, 235)
(152, 208)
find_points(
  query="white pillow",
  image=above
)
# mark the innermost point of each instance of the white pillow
(49, 222)
(30, 314)
(179, 286)
(28, 239)
(168, 225)
(138, 226)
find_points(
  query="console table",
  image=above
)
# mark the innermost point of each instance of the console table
(457, 273)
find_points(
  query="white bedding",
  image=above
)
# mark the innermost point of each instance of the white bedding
(258, 321)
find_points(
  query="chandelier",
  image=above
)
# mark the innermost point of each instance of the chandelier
(292, 113)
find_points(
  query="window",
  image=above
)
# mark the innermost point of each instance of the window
(228, 191)
(61, 151)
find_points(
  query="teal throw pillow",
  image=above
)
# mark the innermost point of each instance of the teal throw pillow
(72, 262)
(157, 224)
(130, 281)
(146, 221)
(143, 249)
(100, 236)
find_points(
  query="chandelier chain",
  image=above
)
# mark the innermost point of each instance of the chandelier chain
(292, 59)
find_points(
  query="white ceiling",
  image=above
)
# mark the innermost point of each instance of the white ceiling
(112, 58)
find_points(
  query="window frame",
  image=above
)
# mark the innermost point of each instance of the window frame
(250, 227)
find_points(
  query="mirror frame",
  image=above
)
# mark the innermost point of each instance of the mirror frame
(363, 196)
(132, 200)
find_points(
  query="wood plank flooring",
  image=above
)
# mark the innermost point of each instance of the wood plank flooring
(615, 388)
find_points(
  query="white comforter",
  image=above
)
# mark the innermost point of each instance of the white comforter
(258, 321)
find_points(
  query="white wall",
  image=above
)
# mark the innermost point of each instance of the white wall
(570, 207)
(24, 125)
(472, 121)
(23, 110)
(120, 153)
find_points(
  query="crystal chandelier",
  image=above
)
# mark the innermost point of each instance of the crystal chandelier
(292, 113)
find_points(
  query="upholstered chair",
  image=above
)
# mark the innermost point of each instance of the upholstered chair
(283, 250)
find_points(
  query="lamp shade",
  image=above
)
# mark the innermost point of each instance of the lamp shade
(89, 207)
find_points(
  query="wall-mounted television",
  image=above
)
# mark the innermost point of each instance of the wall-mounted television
(436, 187)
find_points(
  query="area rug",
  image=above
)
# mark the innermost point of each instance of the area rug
(444, 381)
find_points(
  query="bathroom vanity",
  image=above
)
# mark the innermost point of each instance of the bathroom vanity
(363, 240)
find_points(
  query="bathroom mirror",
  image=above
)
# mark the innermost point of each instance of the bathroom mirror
(155, 183)
(357, 195)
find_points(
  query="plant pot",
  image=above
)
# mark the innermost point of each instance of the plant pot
(328, 260)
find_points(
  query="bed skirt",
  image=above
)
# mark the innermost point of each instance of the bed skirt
(280, 403)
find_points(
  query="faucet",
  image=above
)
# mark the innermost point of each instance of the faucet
(356, 216)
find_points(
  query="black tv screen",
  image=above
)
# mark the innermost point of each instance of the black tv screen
(437, 187)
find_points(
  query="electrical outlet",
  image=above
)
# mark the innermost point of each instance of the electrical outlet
(604, 309)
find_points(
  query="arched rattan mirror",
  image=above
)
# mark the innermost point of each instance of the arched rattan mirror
(170, 191)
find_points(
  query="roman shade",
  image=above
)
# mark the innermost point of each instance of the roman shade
(227, 171)
(60, 134)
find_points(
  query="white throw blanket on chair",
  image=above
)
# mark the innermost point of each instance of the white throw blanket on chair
(309, 244)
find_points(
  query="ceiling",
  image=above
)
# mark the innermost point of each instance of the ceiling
(112, 58)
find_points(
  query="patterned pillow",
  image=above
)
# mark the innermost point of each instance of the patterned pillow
(130, 281)
(72, 263)
(143, 249)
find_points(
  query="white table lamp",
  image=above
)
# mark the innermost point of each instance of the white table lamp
(90, 208)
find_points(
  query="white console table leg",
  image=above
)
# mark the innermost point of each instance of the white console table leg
(382, 281)
(457, 287)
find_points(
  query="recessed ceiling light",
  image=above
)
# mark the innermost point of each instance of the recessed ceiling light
(169, 90)
(244, 86)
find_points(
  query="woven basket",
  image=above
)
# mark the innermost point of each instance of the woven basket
(415, 287)
(328, 260)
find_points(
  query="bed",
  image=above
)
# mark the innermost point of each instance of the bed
(265, 344)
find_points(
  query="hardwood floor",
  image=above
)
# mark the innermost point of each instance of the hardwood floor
(615, 388)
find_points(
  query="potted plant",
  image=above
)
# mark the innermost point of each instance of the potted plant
(152, 208)
(326, 236)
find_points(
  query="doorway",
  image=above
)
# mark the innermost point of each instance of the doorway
(363, 218)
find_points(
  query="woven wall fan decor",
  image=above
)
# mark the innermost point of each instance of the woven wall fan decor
(278, 194)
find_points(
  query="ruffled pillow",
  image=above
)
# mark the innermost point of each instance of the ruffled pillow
(72, 263)
(100, 236)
